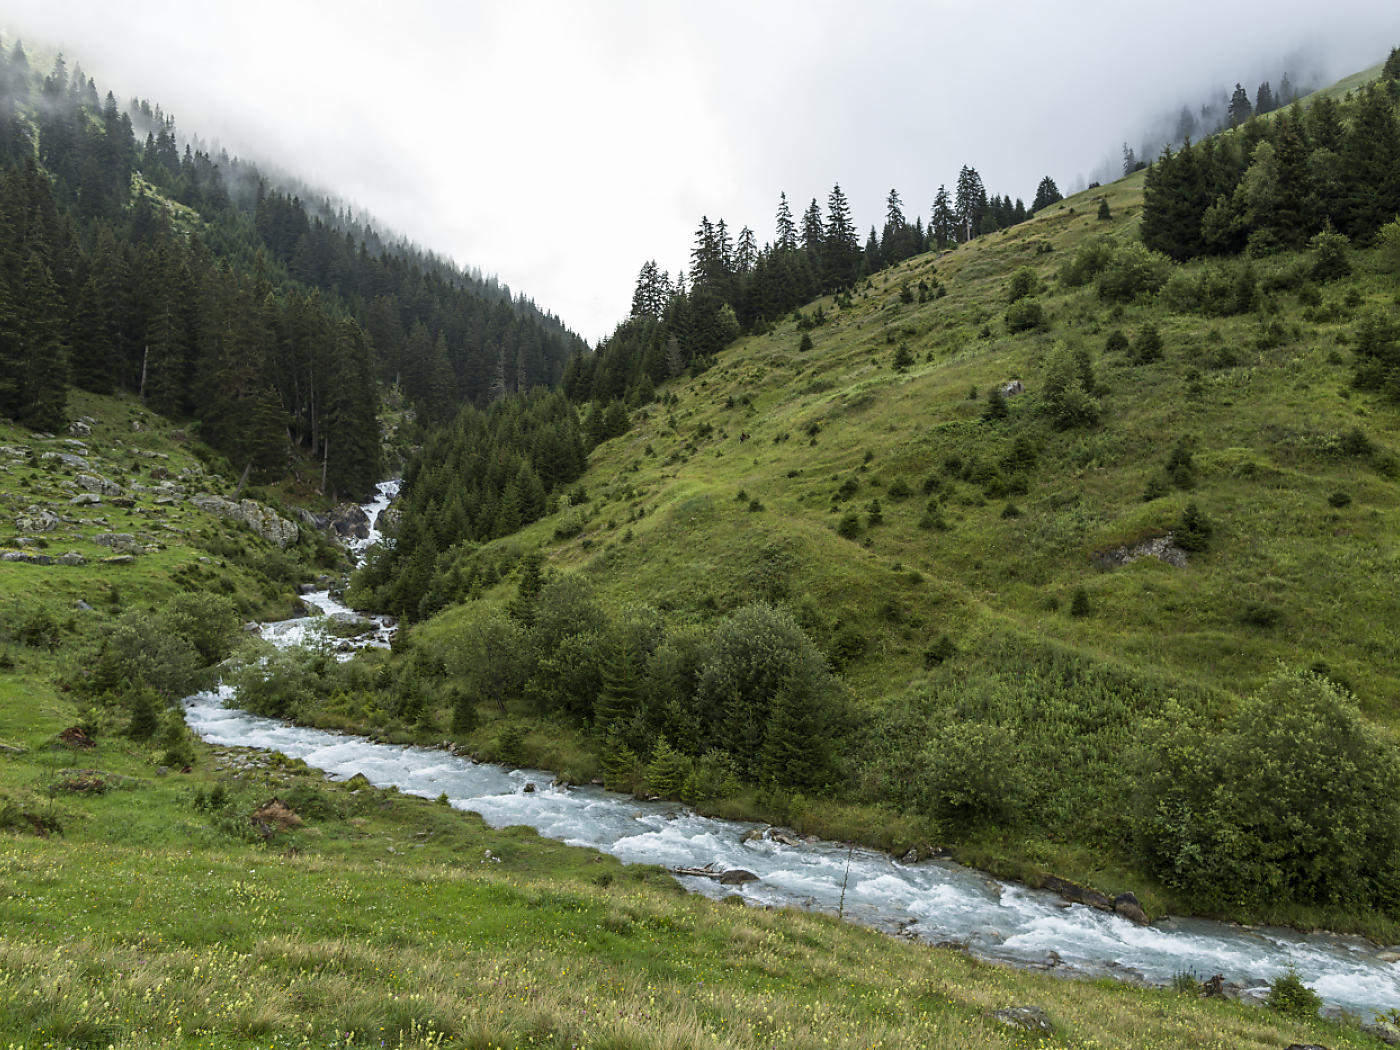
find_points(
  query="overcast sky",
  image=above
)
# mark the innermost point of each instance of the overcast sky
(561, 144)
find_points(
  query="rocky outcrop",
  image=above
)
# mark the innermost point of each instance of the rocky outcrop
(76, 462)
(1384, 1031)
(1125, 904)
(349, 521)
(79, 429)
(100, 486)
(1026, 1018)
(26, 558)
(35, 519)
(120, 541)
(260, 519)
(1163, 548)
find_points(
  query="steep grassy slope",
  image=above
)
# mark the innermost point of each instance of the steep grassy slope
(971, 565)
(1289, 577)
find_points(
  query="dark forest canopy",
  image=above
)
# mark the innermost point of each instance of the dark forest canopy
(136, 266)
(1272, 184)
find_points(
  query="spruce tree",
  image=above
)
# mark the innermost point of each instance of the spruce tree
(667, 770)
(942, 220)
(797, 752)
(1046, 194)
(622, 684)
(43, 353)
(841, 243)
(787, 229)
(464, 717)
(145, 713)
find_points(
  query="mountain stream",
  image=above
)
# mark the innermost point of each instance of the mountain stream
(934, 900)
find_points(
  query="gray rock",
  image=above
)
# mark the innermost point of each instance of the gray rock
(76, 462)
(737, 877)
(787, 838)
(1073, 891)
(119, 559)
(119, 541)
(1384, 1031)
(85, 499)
(1128, 906)
(36, 519)
(82, 606)
(1026, 1018)
(79, 429)
(260, 519)
(101, 486)
(72, 558)
(1161, 547)
(26, 557)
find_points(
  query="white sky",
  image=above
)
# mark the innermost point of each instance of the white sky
(562, 143)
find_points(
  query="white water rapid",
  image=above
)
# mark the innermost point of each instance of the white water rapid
(933, 900)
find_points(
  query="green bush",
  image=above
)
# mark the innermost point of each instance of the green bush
(1088, 262)
(1146, 346)
(1331, 256)
(1068, 390)
(1289, 995)
(1025, 315)
(1133, 271)
(1079, 603)
(1298, 799)
(940, 651)
(1023, 284)
(969, 778)
(1193, 531)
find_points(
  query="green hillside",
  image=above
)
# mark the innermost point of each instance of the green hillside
(1034, 547)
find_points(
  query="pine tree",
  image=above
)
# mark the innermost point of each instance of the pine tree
(796, 748)
(787, 229)
(1046, 194)
(619, 762)
(943, 220)
(622, 684)
(1240, 109)
(667, 770)
(841, 243)
(1193, 531)
(971, 202)
(813, 230)
(145, 713)
(464, 716)
(43, 397)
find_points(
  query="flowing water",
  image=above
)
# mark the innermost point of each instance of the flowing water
(935, 901)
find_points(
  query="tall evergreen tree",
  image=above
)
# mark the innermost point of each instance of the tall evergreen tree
(1046, 194)
(787, 229)
(840, 243)
(943, 220)
(43, 397)
(970, 202)
(1240, 108)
